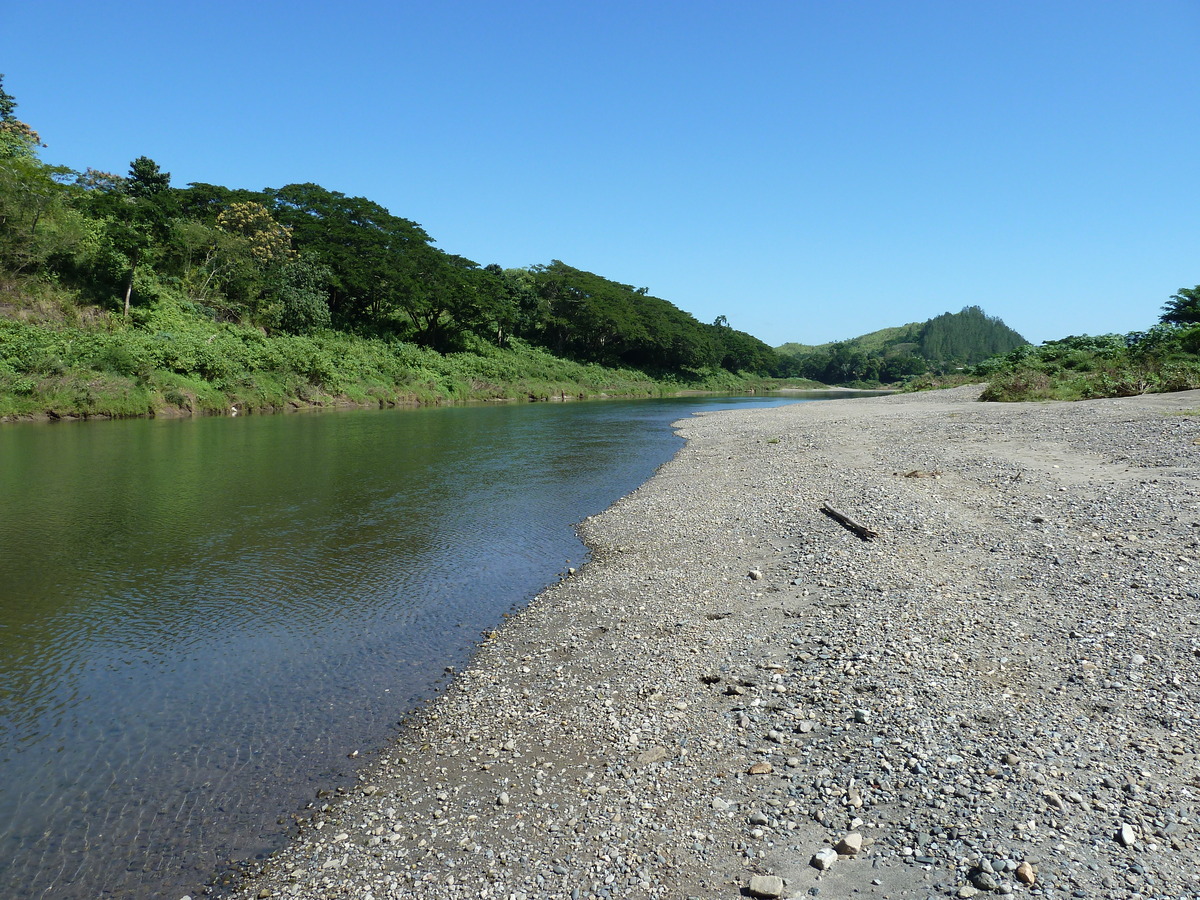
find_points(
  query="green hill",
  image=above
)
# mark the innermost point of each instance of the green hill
(943, 343)
(882, 339)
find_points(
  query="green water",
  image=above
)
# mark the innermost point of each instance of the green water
(201, 619)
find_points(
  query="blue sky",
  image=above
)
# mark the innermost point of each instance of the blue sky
(812, 170)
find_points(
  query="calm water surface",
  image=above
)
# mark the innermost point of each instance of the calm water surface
(200, 619)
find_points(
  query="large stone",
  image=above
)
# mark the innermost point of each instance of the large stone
(850, 845)
(1026, 874)
(824, 858)
(766, 886)
(984, 881)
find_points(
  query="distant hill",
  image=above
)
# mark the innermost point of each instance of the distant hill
(876, 340)
(945, 342)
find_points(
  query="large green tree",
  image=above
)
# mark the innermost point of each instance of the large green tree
(741, 352)
(146, 179)
(440, 297)
(374, 257)
(29, 189)
(138, 211)
(1183, 308)
(32, 197)
(966, 337)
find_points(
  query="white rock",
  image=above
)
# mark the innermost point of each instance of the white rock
(824, 858)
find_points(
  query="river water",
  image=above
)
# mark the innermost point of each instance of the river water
(200, 620)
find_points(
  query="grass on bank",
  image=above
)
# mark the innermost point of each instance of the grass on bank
(57, 359)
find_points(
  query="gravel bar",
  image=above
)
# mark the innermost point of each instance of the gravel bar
(740, 696)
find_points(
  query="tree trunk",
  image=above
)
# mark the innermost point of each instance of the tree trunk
(129, 288)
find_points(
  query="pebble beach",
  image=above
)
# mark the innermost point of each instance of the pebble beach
(997, 694)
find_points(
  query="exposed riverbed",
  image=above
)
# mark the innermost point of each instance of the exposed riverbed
(999, 695)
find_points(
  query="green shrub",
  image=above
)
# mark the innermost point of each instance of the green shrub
(1084, 367)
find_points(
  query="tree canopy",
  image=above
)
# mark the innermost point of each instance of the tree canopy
(303, 257)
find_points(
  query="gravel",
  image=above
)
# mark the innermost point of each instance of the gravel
(998, 695)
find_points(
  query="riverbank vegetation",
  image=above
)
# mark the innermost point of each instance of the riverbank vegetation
(60, 359)
(123, 295)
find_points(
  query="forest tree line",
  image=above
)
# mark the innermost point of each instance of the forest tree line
(302, 258)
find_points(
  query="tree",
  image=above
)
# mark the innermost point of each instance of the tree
(268, 240)
(17, 140)
(371, 253)
(138, 211)
(29, 189)
(738, 351)
(530, 310)
(966, 337)
(146, 179)
(1183, 308)
(590, 318)
(8, 103)
(300, 286)
(31, 193)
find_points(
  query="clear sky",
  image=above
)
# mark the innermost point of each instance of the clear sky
(812, 170)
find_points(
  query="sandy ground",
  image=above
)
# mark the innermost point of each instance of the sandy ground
(999, 694)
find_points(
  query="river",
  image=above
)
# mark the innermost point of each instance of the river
(201, 620)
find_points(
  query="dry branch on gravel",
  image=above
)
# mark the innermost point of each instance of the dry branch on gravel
(861, 530)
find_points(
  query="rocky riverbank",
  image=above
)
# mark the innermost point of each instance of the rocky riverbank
(998, 695)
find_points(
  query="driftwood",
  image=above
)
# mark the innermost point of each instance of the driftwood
(861, 530)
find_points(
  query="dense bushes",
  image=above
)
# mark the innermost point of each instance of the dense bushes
(1082, 367)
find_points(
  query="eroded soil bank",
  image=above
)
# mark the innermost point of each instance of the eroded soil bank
(1000, 694)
